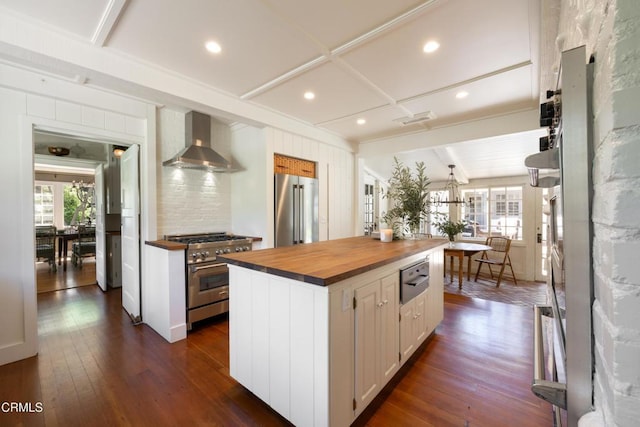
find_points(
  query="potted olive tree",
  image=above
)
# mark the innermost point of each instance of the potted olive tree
(449, 228)
(408, 196)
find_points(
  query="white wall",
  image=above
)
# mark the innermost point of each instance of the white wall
(611, 31)
(250, 185)
(39, 101)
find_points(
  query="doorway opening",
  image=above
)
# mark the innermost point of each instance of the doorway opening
(65, 199)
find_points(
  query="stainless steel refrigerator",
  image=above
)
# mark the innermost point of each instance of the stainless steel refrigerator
(296, 210)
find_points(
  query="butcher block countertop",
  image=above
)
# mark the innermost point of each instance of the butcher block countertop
(166, 244)
(330, 261)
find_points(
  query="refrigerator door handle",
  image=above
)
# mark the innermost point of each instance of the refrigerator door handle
(301, 216)
(296, 214)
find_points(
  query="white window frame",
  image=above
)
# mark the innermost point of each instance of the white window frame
(496, 195)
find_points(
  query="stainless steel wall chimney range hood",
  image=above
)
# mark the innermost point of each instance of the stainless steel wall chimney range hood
(198, 153)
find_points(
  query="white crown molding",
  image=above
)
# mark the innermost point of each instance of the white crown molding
(26, 42)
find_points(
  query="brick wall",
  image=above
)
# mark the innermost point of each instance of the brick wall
(191, 201)
(611, 31)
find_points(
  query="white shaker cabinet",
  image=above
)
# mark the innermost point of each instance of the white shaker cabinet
(376, 334)
(420, 316)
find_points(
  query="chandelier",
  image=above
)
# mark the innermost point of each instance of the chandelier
(449, 194)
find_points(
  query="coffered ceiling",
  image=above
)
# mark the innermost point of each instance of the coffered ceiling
(363, 59)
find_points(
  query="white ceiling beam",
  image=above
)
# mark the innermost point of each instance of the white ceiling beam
(107, 22)
(448, 157)
(521, 121)
(455, 85)
(340, 50)
(383, 28)
(25, 40)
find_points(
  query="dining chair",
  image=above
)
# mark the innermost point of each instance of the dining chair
(85, 246)
(498, 255)
(46, 244)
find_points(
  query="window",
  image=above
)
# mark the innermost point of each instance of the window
(495, 211)
(43, 203)
(501, 204)
(438, 212)
(368, 208)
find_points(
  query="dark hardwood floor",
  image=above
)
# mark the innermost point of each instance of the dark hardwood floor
(95, 368)
(48, 280)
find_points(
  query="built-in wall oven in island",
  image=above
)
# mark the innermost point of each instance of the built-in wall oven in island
(207, 280)
(414, 279)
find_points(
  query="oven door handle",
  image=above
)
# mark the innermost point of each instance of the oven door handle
(420, 281)
(553, 392)
(197, 268)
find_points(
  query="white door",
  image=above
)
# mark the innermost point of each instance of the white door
(130, 231)
(101, 265)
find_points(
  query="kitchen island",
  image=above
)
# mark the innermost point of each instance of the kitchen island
(317, 330)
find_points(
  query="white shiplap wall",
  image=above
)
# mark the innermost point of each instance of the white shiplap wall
(336, 176)
(252, 185)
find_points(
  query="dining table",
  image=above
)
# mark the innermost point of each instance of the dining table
(64, 237)
(460, 250)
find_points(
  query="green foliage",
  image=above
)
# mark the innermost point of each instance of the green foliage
(450, 228)
(71, 203)
(408, 195)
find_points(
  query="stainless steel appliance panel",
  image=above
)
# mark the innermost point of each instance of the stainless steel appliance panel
(207, 284)
(414, 279)
(296, 210)
(309, 221)
(207, 280)
(284, 210)
(570, 283)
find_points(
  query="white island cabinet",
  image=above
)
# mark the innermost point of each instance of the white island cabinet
(318, 343)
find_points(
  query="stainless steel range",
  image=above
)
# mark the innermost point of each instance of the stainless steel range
(208, 280)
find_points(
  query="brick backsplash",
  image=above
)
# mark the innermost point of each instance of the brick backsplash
(190, 201)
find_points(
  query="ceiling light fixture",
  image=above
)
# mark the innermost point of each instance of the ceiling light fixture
(462, 94)
(118, 151)
(309, 95)
(430, 46)
(416, 118)
(58, 151)
(361, 121)
(449, 194)
(213, 47)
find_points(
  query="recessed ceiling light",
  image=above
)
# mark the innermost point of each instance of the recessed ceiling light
(361, 121)
(213, 47)
(462, 94)
(309, 95)
(431, 46)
